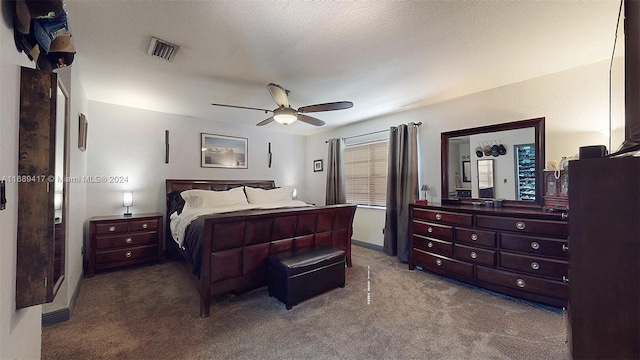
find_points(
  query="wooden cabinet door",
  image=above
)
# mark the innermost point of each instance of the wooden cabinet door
(36, 165)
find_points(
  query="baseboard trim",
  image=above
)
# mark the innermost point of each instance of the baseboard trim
(367, 245)
(58, 316)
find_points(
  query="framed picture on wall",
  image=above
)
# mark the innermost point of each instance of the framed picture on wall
(317, 165)
(220, 151)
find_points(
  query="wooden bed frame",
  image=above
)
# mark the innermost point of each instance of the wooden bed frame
(235, 246)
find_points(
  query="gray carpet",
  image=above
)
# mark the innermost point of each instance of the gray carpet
(152, 312)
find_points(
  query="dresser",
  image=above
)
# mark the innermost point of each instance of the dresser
(117, 241)
(516, 251)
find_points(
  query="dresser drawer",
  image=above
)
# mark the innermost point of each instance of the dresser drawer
(533, 226)
(106, 257)
(476, 237)
(443, 232)
(143, 225)
(535, 265)
(112, 227)
(432, 245)
(475, 255)
(126, 240)
(535, 245)
(443, 217)
(550, 288)
(441, 265)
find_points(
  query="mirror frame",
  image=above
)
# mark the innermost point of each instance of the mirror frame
(537, 124)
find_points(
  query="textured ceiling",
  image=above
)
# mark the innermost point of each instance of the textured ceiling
(385, 56)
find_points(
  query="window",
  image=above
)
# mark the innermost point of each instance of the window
(365, 168)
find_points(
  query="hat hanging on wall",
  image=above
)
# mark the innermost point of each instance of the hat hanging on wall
(487, 150)
(495, 151)
(502, 150)
(479, 152)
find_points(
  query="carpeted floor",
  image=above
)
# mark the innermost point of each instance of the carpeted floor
(152, 312)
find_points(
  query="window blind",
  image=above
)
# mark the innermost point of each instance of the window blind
(366, 173)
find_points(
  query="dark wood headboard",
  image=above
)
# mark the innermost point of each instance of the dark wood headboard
(218, 185)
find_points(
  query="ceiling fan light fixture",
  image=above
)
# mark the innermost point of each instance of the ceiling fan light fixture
(285, 116)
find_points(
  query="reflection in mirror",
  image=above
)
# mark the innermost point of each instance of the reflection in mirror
(485, 178)
(59, 185)
(466, 171)
(517, 153)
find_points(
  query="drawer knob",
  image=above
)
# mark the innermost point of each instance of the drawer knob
(438, 217)
(128, 240)
(535, 265)
(520, 225)
(144, 226)
(565, 279)
(474, 255)
(565, 247)
(535, 245)
(112, 228)
(520, 283)
(474, 236)
(438, 262)
(128, 254)
(430, 229)
(430, 244)
(564, 216)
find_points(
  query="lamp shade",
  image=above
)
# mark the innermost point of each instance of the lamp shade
(285, 116)
(127, 199)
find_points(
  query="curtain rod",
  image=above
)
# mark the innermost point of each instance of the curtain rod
(370, 133)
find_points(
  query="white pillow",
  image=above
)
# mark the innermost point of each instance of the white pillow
(212, 199)
(262, 196)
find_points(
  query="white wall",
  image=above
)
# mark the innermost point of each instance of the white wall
(575, 104)
(128, 142)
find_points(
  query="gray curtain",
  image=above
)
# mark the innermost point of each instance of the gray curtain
(336, 182)
(402, 188)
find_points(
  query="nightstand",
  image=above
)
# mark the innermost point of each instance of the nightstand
(117, 241)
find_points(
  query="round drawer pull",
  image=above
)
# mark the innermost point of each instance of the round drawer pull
(474, 236)
(520, 283)
(438, 217)
(565, 247)
(430, 229)
(112, 228)
(438, 262)
(535, 245)
(128, 254)
(565, 278)
(535, 265)
(430, 244)
(520, 225)
(474, 255)
(128, 240)
(144, 226)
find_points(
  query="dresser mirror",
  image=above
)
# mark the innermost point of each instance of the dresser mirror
(506, 162)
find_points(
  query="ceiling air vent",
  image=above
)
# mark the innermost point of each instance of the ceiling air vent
(162, 49)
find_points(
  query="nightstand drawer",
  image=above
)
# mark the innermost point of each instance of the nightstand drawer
(144, 225)
(111, 256)
(112, 228)
(126, 240)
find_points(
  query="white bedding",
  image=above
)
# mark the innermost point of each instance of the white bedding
(179, 223)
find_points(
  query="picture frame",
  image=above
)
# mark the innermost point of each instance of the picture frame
(222, 151)
(466, 171)
(317, 165)
(83, 126)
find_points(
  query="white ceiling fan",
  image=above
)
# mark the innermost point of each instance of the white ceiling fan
(286, 115)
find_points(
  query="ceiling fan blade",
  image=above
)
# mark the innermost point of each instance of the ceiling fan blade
(265, 121)
(243, 107)
(310, 120)
(279, 95)
(340, 105)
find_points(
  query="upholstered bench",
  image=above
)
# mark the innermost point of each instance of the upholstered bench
(301, 274)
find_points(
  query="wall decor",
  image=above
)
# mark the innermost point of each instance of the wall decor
(220, 151)
(317, 165)
(82, 132)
